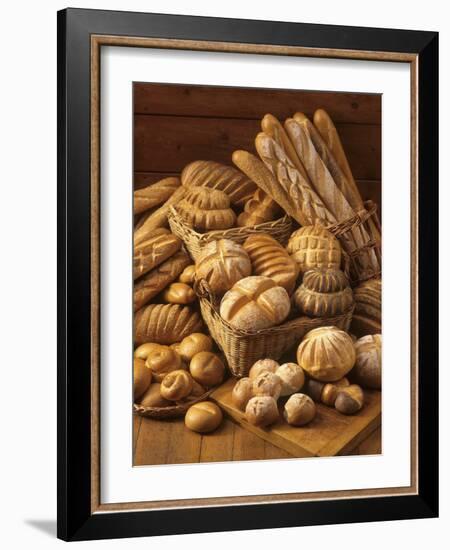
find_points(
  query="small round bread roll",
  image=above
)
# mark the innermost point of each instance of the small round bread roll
(242, 393)
(349, 400)
(142, 377)
(263, 365)
(267, 383)
(153, 398)
(194, 343)
(162, 361)
(176, 385)
(292, 378)
(143, 351)
(261, 411)
(330, 391)
(299, 410)
(367, 369)
(203, 417)
(207, 369)
(188, 275)
(179, 293)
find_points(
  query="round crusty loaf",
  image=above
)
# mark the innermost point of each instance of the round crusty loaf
(242, 393)
(207, 173)
(299, 410)
(206, 209)
(263, 365)
(222, 263)
(367, 369)
(270, 259)
(292, 378)
(255, 303)
(165, 323)
(323, 293)
(313, 246)
(262, 411)
(326, 354)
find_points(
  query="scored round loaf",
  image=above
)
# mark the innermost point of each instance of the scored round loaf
(207, 368)
(221, 264)
(367, 315)
(270, 259)
(326, 354)
(142, 377)
(261, 411)
(206, 209)
(165, 323)
(292, 378)
(207, 173)
(194, 343)
(267, 383)
(313, 246)
(323, 293)
(255, 303)
(263, 365)
(242, 393)
(203, 417)
(367, 369)
(299, 409)
(176, 385)
(161, 361)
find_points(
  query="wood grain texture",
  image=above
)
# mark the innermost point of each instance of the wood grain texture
(218, 101)
(167, 143)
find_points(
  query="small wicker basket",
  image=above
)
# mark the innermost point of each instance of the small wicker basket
(242, 349)
(279, 229)
(166, 413)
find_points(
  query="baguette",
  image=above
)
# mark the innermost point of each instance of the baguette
(165, 323)
(154, 194)
(207, 173)
(153, 251)
(159, 278)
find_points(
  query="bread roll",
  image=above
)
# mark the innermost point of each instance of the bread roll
(193, 344)
(179, 293)
(161, 361)
(263, 365)
(367, 369)
(207, 173)
(207, 369)
(242, 393)
(153, 398)
(330, 391)
(151, 284)
(314, 247)
(222, 263)
(203, 417)
(367, 315)
(188, 275)
(165, 323)
(261, 411)
(326, 354)
(292, 378)
(153, 251)
(270, 259)
(142, 377)
(176, 385)
(255, 303)
(349, 400)
(259, 209)
(323, 293)
(143, 351)
(299, 409)
(266, 383)
(154, 194)
(206, 209)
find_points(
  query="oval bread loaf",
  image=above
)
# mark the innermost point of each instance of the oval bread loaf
(165, 323)
(154, 194)
(270, 259)
(154, 250)
(255, 303)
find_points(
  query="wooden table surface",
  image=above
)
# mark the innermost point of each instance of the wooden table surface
(169, 442)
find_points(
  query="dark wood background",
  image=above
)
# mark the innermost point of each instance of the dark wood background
(175, 124)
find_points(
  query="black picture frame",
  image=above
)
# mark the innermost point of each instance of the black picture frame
(75, 518)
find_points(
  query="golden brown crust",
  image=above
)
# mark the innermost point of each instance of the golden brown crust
(155, 194)
(154, 250)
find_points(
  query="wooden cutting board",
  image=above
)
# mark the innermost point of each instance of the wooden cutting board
(329, 434)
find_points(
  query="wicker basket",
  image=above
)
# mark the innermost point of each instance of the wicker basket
(166, 413)
(242, 349)
(279, 229)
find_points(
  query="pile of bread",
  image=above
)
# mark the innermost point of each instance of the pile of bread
(331, 369)
(302, 172)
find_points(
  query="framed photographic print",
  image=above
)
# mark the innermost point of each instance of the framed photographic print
(247, 274)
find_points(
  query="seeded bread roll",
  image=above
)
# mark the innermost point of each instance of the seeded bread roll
(270, 259)
(158, 278)
(326, 354)
(255, 303)
(165, 323)
(154, 194)
(153, 251)
(206, 209)
(222, 263)
(206, 173)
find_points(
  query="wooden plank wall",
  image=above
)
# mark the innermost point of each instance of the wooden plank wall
(177, 124)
